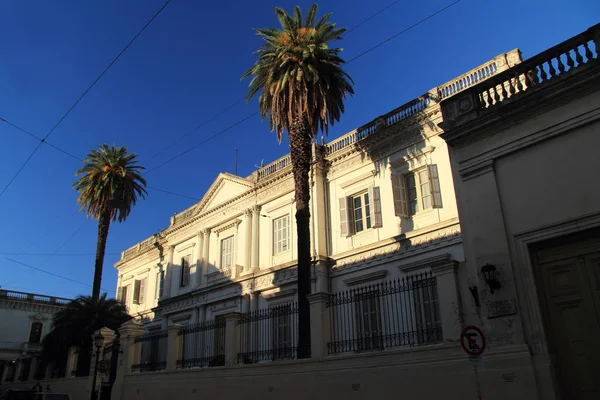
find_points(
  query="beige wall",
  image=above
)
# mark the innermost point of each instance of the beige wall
(417, 374)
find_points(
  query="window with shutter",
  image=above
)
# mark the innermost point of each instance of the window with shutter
(118, 293)
(124, 294)
(281, 234)
(400, 197)
(344, 220)
(227, 249)
(375, 209)
(160, 277)
(142, 291)
(185, 271)
(35, 335)
(136, 292)
(434, 184)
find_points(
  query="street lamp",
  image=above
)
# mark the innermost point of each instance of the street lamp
(489, 273)
(98, 341)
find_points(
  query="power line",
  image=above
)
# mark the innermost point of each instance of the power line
(348, 62)
(174, 194)
(82, 96)
(404, 31)
(244, 98)
(53, 274)
(54, 254)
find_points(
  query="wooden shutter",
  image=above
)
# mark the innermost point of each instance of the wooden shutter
(400, 196)
(434, 184)
(375, 207)
(124, 294)
(136, 292)
(142, 291)
(344, 220)
(119, 293)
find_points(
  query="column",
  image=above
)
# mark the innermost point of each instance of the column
(232, 338)
(319, 324)
(255, 237)
(18, 370)
(205, 254)
(127, 356)
(4, 371)
(202, 313)
(449, 300)
(169, 274)
(34, 364)
(198, 246)
(245, 303)
(248, 247)
(173, 346)
(194, 318)
(71, 362)
(322, 275)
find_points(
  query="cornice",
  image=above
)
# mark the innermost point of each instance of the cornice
(10, 304)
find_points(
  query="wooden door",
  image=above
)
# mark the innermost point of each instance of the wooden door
(569, 276)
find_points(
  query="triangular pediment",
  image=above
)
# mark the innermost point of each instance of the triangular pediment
(224, 188)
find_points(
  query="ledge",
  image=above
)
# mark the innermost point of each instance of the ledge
(372, 276)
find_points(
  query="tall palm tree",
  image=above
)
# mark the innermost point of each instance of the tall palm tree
(76, 323)
(109, 185)
(303, 88)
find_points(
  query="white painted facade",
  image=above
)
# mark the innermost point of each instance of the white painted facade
(239, 242)
(25, 318)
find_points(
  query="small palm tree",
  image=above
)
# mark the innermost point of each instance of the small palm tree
(75, 325)
(303, 88)
(109, 185)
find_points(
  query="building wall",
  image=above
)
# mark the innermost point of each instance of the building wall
(524, 171)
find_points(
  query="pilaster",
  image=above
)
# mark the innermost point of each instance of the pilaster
(199, 250)
(319, 324)
(255, 237)
(232, 338)
(205, 254)
(248, 259)
(173, 346)
(169, 275)
(449, 299)
(127, 356)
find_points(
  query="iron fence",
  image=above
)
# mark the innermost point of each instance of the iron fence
(203, 344)
(401, 312)
(269, 334)
(153, 354)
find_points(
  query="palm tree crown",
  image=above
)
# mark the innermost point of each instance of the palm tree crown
(110, 179)
(300, 76)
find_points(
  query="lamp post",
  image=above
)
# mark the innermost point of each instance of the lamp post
(98, 341)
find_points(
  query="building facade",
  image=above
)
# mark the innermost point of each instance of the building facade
(382, 204)
(25, 319)
(523, 148)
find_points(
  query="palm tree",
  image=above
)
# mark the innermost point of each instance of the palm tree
(303, 90)
(108, 187)
(76, 323)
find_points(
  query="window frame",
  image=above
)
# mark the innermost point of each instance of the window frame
(275, 241)
(230, 255)
(36, 323)
(365, 208)
(371, 339)
(185, 271)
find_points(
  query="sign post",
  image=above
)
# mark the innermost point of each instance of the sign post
(472, 341)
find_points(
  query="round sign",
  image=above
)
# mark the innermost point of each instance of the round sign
(102, 366)
(472, 341)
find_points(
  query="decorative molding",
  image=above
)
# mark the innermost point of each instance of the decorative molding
(369, 277)
(272, 296)
(187, 246)
(431, 262)
(475, 170)
(359, 178)
(235, 223)
(279, 205)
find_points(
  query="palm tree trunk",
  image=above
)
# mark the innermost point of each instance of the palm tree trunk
(301, 156)
(103, 225)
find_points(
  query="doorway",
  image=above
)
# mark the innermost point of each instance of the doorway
(567, 271)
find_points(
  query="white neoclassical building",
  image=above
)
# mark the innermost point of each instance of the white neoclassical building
(384, 226)
(25, 318)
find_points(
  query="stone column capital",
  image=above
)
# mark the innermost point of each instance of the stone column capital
(205, 231)
(248, 212)
(256, 208)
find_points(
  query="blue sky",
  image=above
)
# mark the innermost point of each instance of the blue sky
(182, 71)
